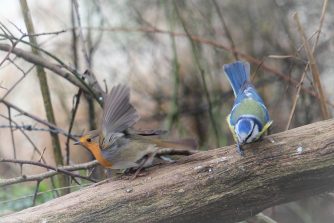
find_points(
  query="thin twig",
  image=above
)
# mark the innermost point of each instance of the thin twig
(11, 38)
(322, 17)
(53, 171)
(32, 128)
(11, 131)
(10, 51)
(38, 60)
(92, 45)
(314, 69)
(202, 74)
(84, 50)
(35, 193)
(307, 66)
(227, 31)
(18, 81)
(50, 125)
(41, 156)
(74, 42)
(295, 100)
(174, 114)
(88, 59)
(76, 98)
(76, 101)
(29, 128)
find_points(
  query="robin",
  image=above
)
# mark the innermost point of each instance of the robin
(120, 147)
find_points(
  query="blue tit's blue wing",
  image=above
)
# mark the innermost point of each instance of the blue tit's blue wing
(256, 104)
(248, 91)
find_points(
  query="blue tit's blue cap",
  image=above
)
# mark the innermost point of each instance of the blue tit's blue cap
(244, 126)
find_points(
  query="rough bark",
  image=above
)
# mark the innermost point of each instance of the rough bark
(213, 186)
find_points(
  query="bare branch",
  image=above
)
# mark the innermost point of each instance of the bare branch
(76, 101)
(19, 80)
(227, 31)
(32, 128)
(26, 136)
(50, 125)
(11, 131)
(35, 193)
(314, 70)
(38, 60)
(295, 100)
(53, 171)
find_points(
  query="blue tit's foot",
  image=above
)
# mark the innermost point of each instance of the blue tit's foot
(240, 150)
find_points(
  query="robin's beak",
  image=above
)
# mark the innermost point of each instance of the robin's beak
(76, 143)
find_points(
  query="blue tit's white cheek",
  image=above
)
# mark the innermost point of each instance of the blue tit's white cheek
(241, 137)
(254, 134)
(244, 129)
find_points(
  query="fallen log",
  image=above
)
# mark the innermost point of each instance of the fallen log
(212, 186)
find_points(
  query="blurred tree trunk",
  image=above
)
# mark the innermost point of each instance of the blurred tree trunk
(63, 180)
(213, 186)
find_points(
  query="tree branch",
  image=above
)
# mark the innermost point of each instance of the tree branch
(52, 127)
(38, 60)
(44, 87)
(213, 186)
(314, 69)
(41, 176)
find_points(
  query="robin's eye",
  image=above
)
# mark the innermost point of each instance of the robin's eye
(89, 140)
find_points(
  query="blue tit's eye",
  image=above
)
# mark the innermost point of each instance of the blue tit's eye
(88, 139)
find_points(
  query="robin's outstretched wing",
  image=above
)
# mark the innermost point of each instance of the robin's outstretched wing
(118, 113)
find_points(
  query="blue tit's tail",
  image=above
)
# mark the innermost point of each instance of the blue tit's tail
(237, 73)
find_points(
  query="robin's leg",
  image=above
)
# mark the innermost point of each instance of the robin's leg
(108, 173)
(144, 163)
(126, 174)
(109, 177)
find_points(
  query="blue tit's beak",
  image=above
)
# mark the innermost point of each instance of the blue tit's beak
(76, 143)
(240, 150)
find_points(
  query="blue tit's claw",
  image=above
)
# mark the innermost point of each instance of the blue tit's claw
(240, 150)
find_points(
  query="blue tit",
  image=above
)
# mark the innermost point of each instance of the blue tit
(249, 117)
